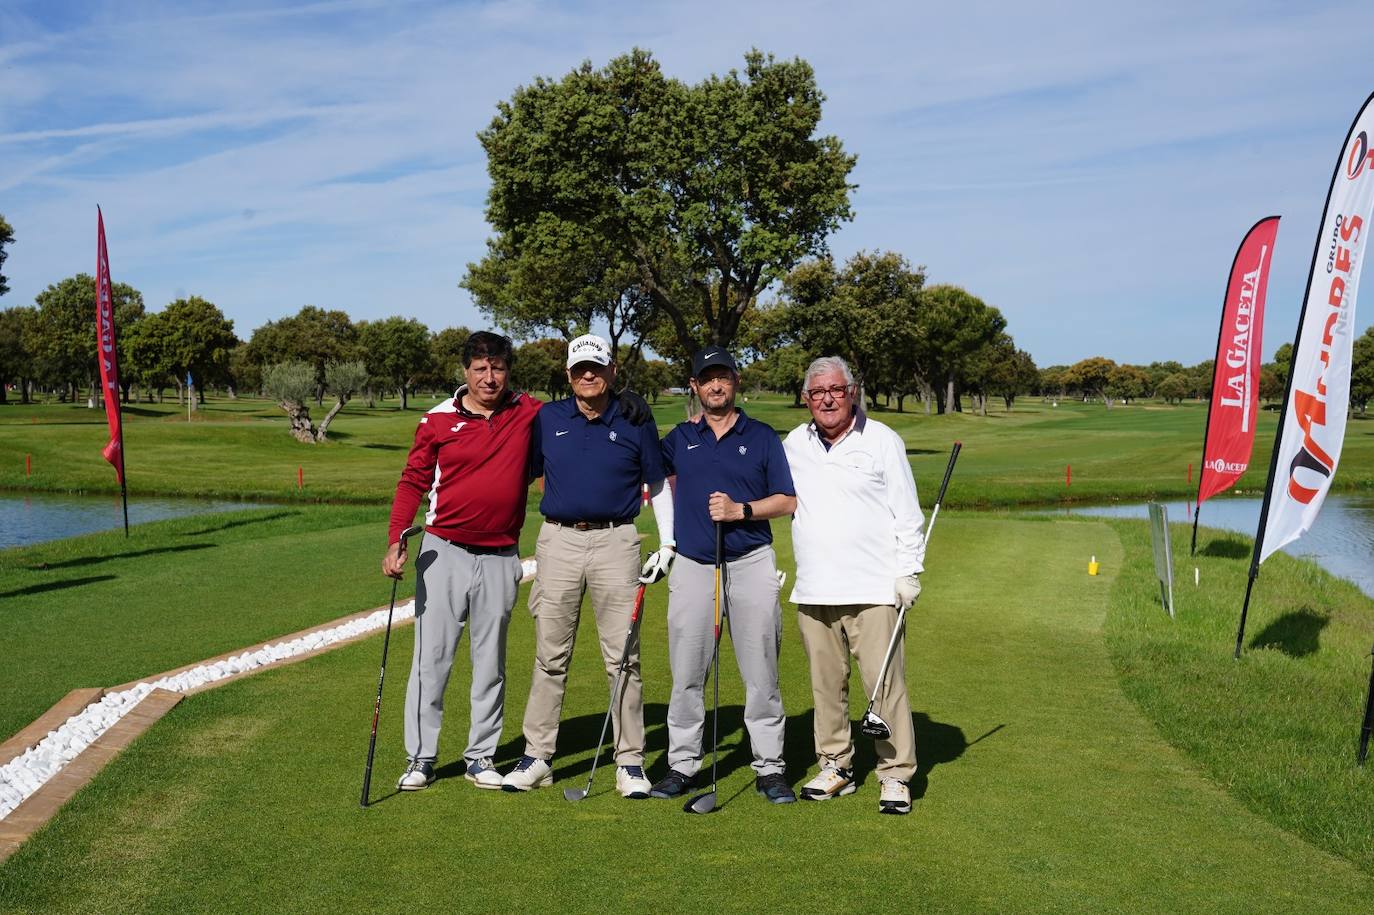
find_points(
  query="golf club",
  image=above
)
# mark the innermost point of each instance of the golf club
(386, 643)
(705, 803)
(577, 794)
(872, 724)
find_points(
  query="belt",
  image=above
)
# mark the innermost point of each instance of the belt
(590, 525)
(479, 550)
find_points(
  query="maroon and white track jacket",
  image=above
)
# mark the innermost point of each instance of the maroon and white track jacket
(475, 471)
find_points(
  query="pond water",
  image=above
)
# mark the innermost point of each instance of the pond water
(1341, 541)
(36, 517)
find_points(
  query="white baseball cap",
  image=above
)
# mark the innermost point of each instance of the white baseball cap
(589, 348)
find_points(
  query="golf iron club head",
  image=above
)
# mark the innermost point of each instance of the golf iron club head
(702, 803)
(873, 726)
(574, 794)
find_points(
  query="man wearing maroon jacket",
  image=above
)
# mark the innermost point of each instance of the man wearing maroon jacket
(471, 456)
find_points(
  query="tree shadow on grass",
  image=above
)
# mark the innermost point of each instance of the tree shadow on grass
(57, 585)
(923, 451)
(1227, 548)
(92, 560)
(241, 522)
(382, 446)
(1296, 634)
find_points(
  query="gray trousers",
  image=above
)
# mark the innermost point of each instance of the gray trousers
(755, 627)
(456, 587)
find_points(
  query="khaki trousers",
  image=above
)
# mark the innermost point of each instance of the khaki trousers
(830, 635)
(572, 562)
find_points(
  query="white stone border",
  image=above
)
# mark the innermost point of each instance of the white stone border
(26, 773)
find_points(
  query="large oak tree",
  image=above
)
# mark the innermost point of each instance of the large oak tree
(702, 195)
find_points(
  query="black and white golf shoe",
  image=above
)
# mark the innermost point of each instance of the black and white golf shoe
(895, 797)
(417, 776)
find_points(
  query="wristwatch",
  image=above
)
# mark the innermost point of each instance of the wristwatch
(748, 511)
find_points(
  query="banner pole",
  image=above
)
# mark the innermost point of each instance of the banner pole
(1368, 728)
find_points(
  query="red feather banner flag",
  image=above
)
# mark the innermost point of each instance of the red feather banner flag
(109, 361)
(1233, 408)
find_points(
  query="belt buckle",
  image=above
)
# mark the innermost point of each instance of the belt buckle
(582, 525)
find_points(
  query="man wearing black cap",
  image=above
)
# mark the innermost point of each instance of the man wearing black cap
(730, 469)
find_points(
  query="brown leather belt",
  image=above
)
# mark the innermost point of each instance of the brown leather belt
(590, 525)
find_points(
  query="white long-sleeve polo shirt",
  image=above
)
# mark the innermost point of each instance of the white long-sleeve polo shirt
(858, 524)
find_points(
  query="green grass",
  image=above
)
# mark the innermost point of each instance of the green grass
(1042, 787)
(1277, 728)
(241, 449)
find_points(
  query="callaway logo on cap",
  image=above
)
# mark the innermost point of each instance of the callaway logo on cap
(589, 348)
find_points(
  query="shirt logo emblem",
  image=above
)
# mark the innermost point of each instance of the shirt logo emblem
(742, 449)
(564, 432)
(612, 435)
(459, 426)
(690, 447)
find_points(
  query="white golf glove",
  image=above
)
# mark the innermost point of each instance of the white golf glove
(907, 588)
(657, 565)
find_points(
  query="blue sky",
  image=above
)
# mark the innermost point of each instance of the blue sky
(1087, 168)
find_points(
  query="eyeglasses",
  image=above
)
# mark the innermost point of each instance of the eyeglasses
(837, 391)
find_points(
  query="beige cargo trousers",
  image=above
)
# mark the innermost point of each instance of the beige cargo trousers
(571, 563)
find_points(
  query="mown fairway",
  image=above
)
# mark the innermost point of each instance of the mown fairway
(241, 449)
(1042, 787)
(1079, 751)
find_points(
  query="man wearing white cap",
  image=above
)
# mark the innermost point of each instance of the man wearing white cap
(594, 462)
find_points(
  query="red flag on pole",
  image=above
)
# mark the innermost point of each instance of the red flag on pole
(105, 342)
(1234, 406)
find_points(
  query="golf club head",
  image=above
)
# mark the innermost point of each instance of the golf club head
(873, 726)
(702, 803)
(574, 794)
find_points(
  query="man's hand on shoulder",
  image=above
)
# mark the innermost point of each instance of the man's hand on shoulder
(635, 408)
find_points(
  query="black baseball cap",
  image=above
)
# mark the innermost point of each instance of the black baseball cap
(712, 355)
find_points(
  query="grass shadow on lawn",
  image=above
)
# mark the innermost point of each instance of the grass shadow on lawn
(1227, 548)
(1296, 633)
(92, 560)
(240, 522)
(57, 585)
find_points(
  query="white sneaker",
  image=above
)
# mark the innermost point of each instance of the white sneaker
(895, 797)
(418, 775)
(528, 773)
(631, 783)
(483, 774)
(831, 782)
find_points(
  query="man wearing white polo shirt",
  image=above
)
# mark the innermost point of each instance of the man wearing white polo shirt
(857, 537)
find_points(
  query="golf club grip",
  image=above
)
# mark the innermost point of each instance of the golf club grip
(639, 604)
(949, 471)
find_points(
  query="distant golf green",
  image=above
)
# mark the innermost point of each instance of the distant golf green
(240, 449)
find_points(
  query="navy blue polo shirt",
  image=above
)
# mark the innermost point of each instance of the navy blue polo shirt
(593, 468)
(747, 464)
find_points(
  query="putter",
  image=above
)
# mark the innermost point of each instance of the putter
(386, 643)
(577, 794)
(705, 803)
(872, 724)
